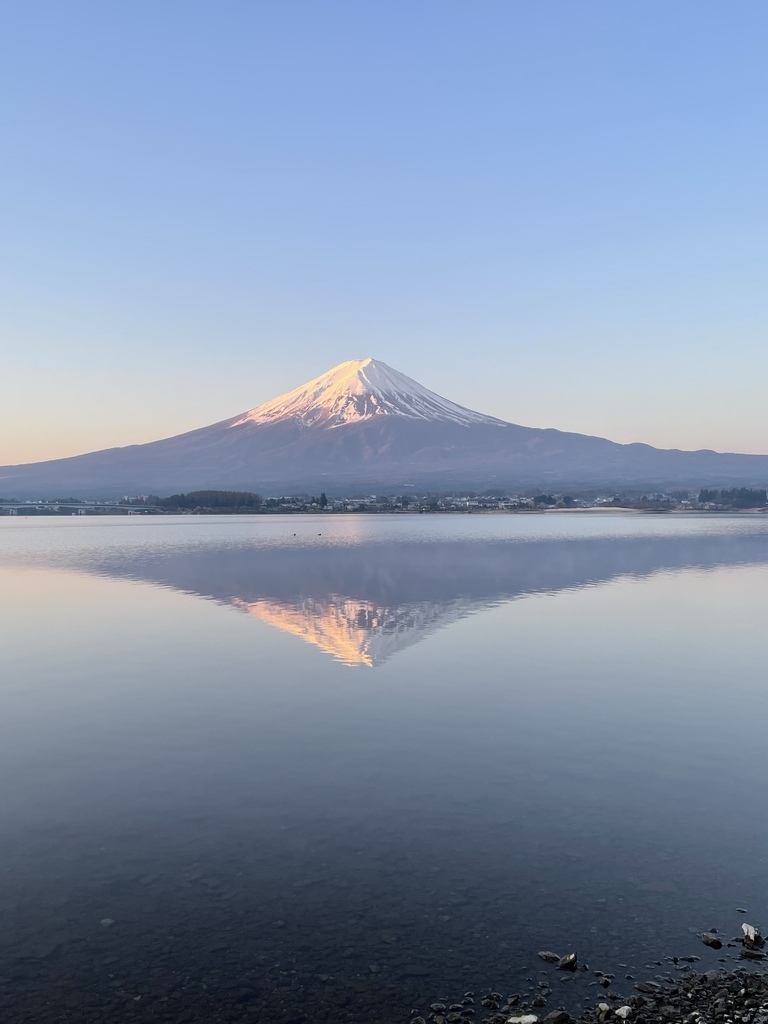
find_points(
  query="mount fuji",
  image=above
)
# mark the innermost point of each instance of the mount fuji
(364, 426)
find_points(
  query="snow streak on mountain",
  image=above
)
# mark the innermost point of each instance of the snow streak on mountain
(357, 390)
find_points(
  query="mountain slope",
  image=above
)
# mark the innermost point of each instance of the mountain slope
(364, 426)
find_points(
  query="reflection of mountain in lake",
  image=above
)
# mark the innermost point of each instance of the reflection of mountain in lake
(361, 603)
(357, 632)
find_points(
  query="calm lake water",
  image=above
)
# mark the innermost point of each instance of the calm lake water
(340, 766)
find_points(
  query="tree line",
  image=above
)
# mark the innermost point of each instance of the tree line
(734, 497)
(231, 501)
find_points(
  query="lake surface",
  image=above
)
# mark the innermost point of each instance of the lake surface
(340, 766)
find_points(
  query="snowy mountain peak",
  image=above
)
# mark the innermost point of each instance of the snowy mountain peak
(360, 389)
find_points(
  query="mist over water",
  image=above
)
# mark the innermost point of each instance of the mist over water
(344, 765)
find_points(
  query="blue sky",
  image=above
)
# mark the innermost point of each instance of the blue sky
(554, 212)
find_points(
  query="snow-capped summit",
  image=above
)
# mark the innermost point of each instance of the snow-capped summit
(358, 390)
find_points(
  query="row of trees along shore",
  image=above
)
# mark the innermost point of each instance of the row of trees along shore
(734, 497)
(247, 501)
(225, 501)
(218, 501)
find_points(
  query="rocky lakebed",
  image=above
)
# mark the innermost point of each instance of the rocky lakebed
(736, 992)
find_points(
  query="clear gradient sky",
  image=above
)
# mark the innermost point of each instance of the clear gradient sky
(555, 212)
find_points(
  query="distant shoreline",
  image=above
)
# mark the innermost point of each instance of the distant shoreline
(211, 513)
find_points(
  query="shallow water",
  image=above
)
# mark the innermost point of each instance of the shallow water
(343, 765)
